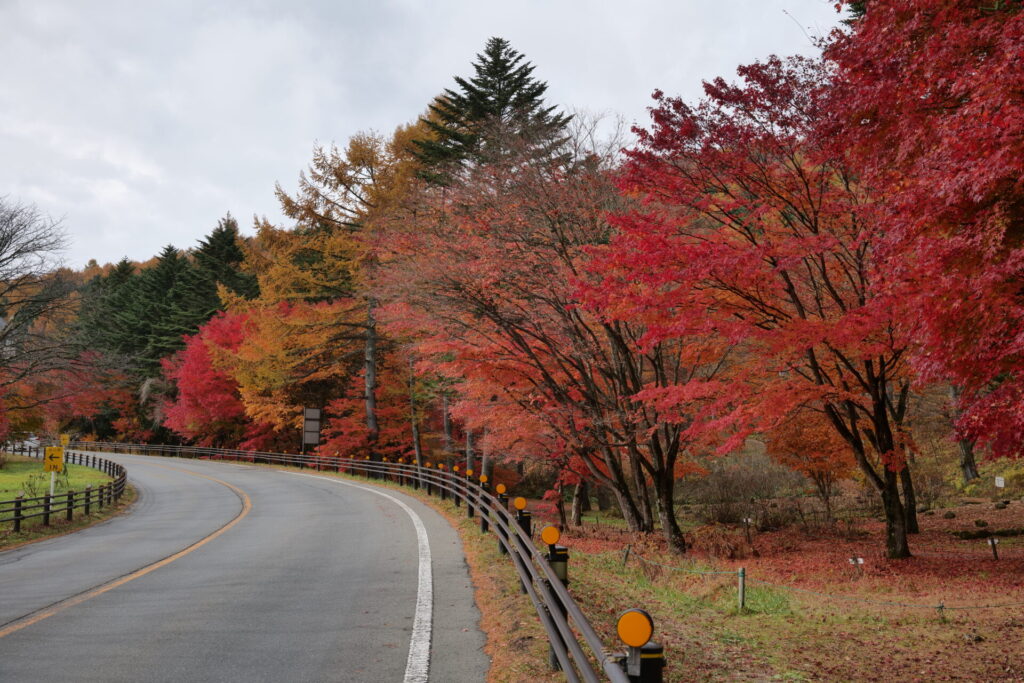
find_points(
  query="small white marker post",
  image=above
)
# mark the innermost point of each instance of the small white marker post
(858, 563)
(1000, 483)
(992, 543)
(747, 521)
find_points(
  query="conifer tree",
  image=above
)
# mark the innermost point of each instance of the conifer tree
(149, 332)
(215, 262)
(469, 123)
(94, 310)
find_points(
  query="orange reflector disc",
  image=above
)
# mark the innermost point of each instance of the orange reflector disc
(635, 627)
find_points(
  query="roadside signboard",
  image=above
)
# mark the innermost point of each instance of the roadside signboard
(65, 439)
(311, 427)
(53, 459)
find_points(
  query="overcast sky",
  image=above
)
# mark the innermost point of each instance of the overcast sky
(141, 123)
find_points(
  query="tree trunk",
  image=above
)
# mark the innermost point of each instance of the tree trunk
(469, 451)
(628, 508)
(642, 496)
(667, 515)
(909, 501)
(578, 496)
(824, 486)
(449, 445)
(968, 465)
(895, 524)
(614, 479)
(603, 502)
(560, 505)
(486, 462)
(417, 444)
(584, 495)
(370, 369)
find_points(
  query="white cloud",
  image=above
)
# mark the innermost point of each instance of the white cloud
(143, 123)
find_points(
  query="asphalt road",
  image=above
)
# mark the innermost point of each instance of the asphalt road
(225, 572)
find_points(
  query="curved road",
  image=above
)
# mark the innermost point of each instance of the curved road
(225, 572)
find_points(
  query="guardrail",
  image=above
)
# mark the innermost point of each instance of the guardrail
(576, 647)
(19, 509)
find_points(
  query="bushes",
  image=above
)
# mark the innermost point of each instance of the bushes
(739, 486)
(719, 541)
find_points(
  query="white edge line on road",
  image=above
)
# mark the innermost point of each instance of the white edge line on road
(417, 667)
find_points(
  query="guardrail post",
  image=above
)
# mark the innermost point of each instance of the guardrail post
(524, 517)
(558, 558)
(17, 513)
(456, 498)
(88, 496)
(503, 500)
(652, 663)
(993, 543)
(469, 493)
(71, 506)
(484, 523)
(46, 510)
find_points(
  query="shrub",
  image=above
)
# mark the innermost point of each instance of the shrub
(739, 486)
(34, 485)
(718, 540)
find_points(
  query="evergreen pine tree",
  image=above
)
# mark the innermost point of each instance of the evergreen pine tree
(504, 98)
(215, 262)
(94, 329)
(142, 328)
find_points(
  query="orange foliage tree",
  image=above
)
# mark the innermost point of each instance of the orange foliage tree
(807, 443)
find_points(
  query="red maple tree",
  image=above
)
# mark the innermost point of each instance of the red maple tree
(927, 104)
(208, 408)
(752, 232)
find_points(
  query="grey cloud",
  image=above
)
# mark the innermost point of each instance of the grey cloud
(143, 123)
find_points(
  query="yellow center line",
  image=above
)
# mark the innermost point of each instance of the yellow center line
(46, 612)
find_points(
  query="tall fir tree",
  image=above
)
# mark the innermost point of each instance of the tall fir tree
(215, 262)
(467, 124)
(96, 311)
(149, 314)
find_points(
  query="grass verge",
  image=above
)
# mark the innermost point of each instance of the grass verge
(25, 475)
(33, 530)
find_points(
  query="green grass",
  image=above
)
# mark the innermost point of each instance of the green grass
(598, 518)
(26, 475)
(766, 600)
(33, 529)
